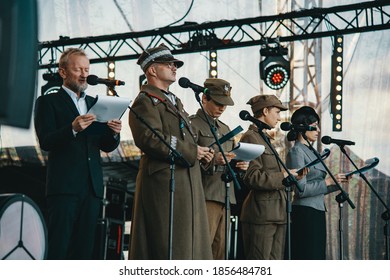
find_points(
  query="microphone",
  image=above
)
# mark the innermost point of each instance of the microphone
(244, 115)
(93, 80)
(372, 161)
(286, 126)
(185, 83)
(328, 140)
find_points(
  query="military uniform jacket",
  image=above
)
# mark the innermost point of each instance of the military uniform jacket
(214, 187)
(150, 223)
(266, 201)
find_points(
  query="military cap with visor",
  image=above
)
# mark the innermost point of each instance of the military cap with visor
(160, 54)
(219, 91)
(260, 102)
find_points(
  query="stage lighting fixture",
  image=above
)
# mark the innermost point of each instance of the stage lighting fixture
(336, 84)
(54, 83)
(111, 70)
(111, 76)
(274, 69)
(213, 72)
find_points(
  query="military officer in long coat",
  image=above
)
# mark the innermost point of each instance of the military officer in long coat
(164, 112)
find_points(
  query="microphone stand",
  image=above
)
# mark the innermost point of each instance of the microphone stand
(287, 182)
(173, 155)
(340, 198)
(385, 215)
(227, 177)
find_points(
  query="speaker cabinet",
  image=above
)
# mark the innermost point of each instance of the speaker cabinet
(18, 61)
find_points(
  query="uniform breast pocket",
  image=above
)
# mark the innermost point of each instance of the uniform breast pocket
(205, 138)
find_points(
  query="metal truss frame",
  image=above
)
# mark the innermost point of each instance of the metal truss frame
(192, 37)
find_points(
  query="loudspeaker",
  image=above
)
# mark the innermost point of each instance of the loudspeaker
(18, 61)
(23, 233)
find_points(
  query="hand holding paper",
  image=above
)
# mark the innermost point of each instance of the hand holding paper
(219, 159)
(115, 125)
(82, 122)
(108, 108)
(247, 151)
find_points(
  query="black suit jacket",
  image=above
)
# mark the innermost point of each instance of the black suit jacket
(71, 160)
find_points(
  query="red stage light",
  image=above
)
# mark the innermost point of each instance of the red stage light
(274, 69)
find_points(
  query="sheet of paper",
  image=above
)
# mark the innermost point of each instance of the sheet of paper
(248, 151)
(109, 107)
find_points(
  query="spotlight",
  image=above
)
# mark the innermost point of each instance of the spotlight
(274, 69)
(111, 70)
(213, 70)
(111, 75)
(110, 92)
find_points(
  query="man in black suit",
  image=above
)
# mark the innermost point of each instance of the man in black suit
(74, 187)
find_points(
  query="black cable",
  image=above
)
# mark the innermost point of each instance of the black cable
(188, 11)
(127, 22)
(123, 15)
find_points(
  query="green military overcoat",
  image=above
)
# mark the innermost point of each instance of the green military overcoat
(150, 221)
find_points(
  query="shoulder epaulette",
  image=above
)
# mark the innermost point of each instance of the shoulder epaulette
(155, 98)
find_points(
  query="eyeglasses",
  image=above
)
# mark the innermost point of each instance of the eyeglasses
(170, 65)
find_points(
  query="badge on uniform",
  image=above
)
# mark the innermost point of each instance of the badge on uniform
(226, 88)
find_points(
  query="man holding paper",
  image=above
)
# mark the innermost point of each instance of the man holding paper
(214, 104)
(74, 186)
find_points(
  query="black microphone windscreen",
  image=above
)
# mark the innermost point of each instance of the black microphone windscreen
(92, 80)
(372, 161)
(325, 154)
(285, 126)
(184, 82)
(326, 140)
(244, 115)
